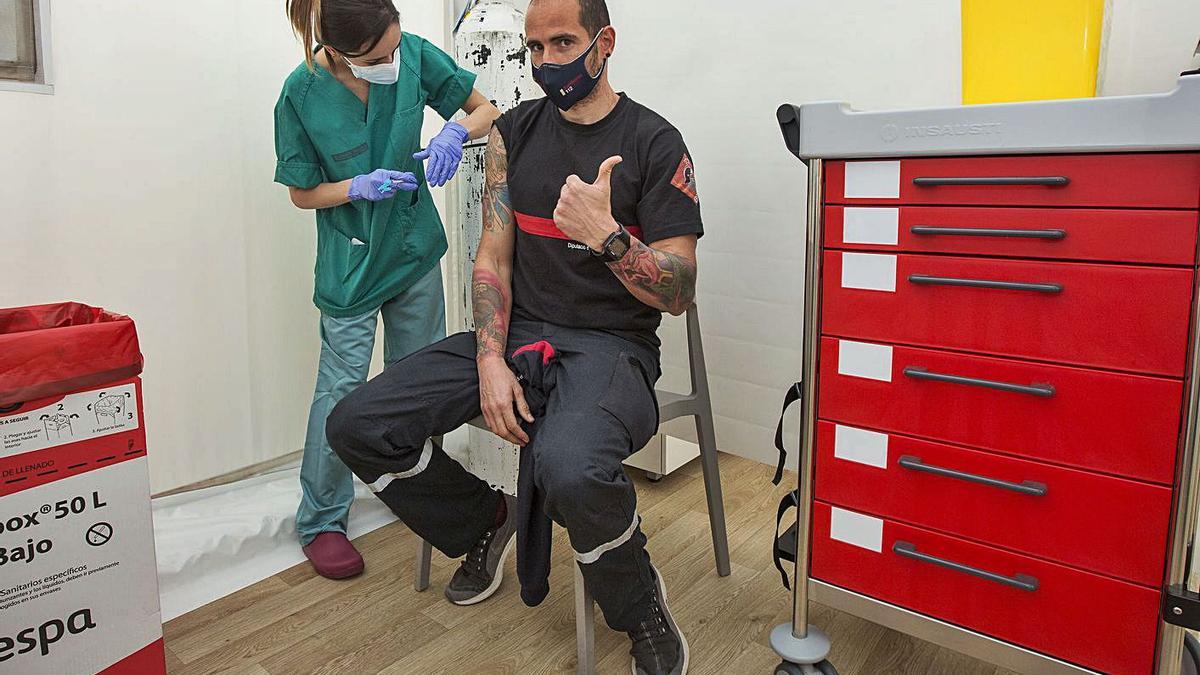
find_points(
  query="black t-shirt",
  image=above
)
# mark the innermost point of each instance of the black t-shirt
(653, 195)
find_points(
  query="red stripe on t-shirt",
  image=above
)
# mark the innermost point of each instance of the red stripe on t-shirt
(545, 227)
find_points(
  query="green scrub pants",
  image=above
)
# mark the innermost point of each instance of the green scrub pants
(411, 321)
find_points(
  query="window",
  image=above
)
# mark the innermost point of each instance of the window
(21, 41)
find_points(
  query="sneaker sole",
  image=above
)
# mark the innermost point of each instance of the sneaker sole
(683, 643)
(495, 585)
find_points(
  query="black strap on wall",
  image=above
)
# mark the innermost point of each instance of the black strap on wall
(786, 546)
(794, 394)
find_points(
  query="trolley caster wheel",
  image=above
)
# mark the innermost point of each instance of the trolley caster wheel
(1191, 655)
(789, 668)
(654, 477)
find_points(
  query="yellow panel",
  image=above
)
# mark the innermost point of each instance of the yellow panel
(1024, 50)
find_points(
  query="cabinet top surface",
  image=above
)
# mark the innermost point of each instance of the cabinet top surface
(1158, 122)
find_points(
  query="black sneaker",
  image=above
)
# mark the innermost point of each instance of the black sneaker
(479, 575)
(659, 647)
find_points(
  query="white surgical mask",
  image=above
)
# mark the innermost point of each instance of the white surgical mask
(383, 73)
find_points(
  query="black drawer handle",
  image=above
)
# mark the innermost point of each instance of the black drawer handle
(1028, 487)
(1041, 390)
(927, 280)
(1023, 582)
(988, 232)
(1049, 181)
(10, 408)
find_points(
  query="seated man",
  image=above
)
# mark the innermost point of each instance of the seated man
(590, 229)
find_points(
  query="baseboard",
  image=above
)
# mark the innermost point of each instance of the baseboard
(235, 476)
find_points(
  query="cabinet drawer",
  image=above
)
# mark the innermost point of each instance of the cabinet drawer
(1162, 180)
(1107, 316)
(1105, 235)
(1094, 621)
(1100, 523)
(1100, 421)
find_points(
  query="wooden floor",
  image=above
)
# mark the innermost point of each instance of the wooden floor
(297, 622)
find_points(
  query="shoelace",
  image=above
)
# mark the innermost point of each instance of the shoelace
(654, 626)
(476, 561)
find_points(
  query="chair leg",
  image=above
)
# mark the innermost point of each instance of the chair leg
(424, 559)
(585, 625)
(424, 551)
(712, 488)
(707, 435)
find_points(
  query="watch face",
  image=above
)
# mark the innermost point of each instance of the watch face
(615, 247)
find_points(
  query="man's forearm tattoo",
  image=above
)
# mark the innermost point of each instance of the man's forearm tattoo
(491, 309)
(660, 279)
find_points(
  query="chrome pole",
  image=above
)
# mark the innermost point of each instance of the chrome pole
(808, 422)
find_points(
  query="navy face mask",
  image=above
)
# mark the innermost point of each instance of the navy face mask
(568, 83)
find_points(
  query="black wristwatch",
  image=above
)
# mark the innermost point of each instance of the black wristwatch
(615, 247)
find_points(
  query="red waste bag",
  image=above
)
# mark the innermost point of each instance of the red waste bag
(47, 350)
(78, 579)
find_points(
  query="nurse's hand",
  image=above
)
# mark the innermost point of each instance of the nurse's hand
(381, 184)
(444, 153)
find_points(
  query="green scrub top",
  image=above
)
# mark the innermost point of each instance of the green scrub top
(368, 252)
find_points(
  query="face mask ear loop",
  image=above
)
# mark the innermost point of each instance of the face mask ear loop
(604, 64)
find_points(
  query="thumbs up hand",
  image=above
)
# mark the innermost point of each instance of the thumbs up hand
(584, 211)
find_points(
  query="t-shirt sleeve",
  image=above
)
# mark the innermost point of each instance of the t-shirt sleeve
(447, 87)
(504, 125)
(296, 161)
(669, 205)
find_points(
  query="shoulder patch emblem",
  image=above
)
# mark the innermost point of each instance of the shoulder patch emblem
(685, 178)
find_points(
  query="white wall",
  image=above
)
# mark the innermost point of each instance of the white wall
(718, 71)
(1149, 44)
(144, 185)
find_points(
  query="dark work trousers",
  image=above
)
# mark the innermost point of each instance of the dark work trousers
(600, 410)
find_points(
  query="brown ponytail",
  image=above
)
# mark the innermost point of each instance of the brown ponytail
(305, 17)
(352, 27)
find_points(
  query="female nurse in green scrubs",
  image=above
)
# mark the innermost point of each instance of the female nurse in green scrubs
(347, 140)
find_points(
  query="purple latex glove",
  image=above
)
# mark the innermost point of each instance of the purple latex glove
(444, 153)
(381, 184)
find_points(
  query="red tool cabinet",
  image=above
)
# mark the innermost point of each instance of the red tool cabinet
(1073, 369)
(1000, 404)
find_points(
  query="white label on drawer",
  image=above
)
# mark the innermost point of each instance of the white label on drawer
(859, 359)
(878, 180)
(857, 530)
(869, 272)
(860, 446)
(871, 226)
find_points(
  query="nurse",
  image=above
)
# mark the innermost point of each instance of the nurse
(348, 144)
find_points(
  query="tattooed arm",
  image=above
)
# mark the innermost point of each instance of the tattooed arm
(491, 293)
(662, 276)
(492, 280)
